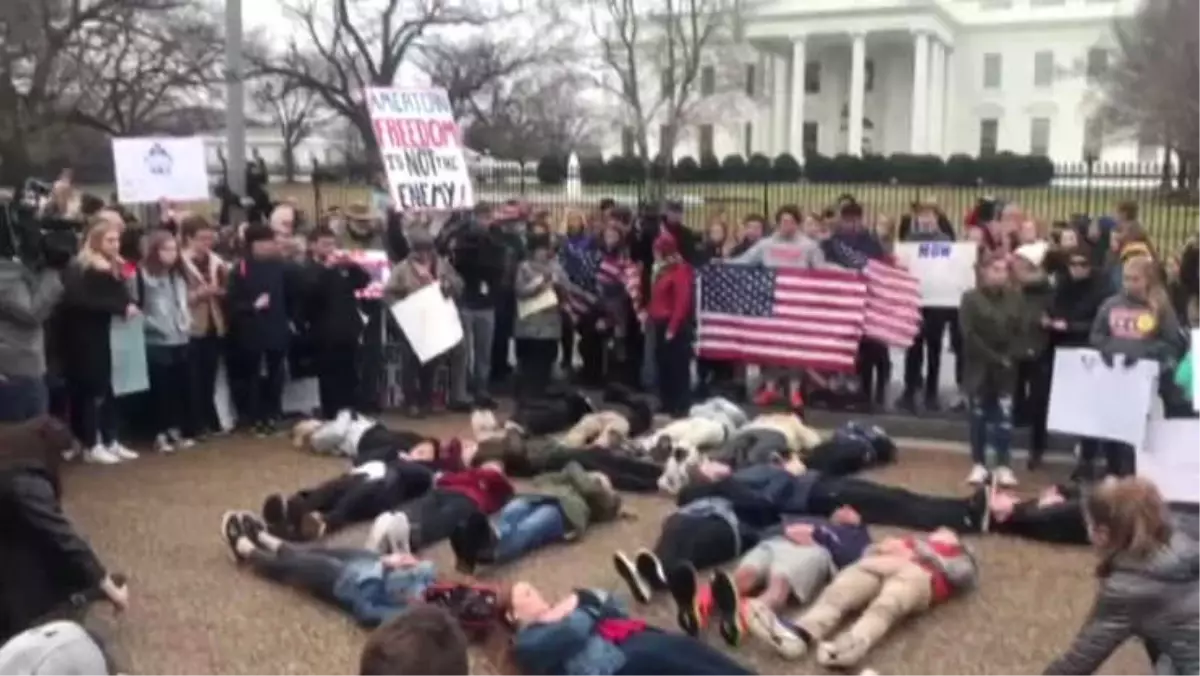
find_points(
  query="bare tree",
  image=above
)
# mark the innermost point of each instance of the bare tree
(1152, 88)
(520, 122)
(342, 48)
(296, 113)
(668, 62)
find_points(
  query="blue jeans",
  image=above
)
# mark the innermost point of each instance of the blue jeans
(472, 363)
(526, 524)
(22, 398)
(990, 420)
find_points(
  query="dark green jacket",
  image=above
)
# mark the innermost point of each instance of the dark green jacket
(581, 497)
(989, 319)
(1033, 339)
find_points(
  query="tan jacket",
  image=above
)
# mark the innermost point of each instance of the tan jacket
(800, 437)
(407, 277)
(207, 313)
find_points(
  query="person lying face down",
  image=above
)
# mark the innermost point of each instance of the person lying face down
(896, 578)
(588, 632)
(557, 507)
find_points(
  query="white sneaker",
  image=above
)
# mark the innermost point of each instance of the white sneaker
(978, 475)
(1005, 477)
(766, 626)
(162, 444)
(70, 455)
(122, 452)
(181, 442)
(100, 455)
(389, 534)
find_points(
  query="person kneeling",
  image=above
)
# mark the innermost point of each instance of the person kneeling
(895, 578)
(588, 632)
(371, 587)
(558, 507)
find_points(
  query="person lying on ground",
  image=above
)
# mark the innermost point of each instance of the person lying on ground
(45, 563)
(589, 633)
(560, 409)
(360, 494)
(557, 507)
(895, 579)
(623, 414)
(766, 437)
(625, 465)
(432, 517)
(707, 425)
(1148, 586)
(371, 587)
(424, 640)
(851, 449)
(355, 436)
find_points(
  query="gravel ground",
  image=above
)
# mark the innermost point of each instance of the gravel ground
(194, 612)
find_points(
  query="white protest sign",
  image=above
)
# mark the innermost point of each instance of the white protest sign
(1089, 399)
(149, 169)
(430, 322)
(1168, 457)
(421, 148)
(945, 270)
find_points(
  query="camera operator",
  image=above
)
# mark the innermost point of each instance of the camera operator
(30, 289)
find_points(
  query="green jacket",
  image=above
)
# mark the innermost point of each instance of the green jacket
(988, 319)
(582, 498)
(1032, 337)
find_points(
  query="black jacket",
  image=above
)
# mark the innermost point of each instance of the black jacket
(1077, 303)
(44, 561)
(91, 298)
(478, 254)
(329, 309)
(256, 329)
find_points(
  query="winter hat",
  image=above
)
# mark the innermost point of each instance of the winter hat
(1034, 253)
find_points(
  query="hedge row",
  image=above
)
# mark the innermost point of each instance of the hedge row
(1003, 169)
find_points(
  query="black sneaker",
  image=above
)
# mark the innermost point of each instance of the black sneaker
(252, 528)
(638, 587)
(682, 584)
(464, 548)
(727, 603)
(231, 530)
(979, 508)
(650, 569)
(275, 515)
(473, 542)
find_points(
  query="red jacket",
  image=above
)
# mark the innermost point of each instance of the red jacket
(487, 488)
(671, 297)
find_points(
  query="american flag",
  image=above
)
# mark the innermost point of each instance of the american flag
(588, 272)
(802, 318)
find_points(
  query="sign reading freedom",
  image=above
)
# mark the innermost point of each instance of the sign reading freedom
(421, 148)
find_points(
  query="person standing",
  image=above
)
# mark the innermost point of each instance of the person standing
(209, 325)
(159, 286)
(538, 328)
(508, 228)
(669, 315)
(27, 299)
(926, 351)
(334, 324)
(477, 256)
(1034, 360)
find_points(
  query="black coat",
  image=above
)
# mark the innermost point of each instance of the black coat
(329, 309)
(254, 329)
(91, 298)
(44, 561)
(1077, 302)
(478, 255)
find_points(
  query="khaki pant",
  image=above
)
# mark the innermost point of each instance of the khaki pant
(886, 588)
(604, 428)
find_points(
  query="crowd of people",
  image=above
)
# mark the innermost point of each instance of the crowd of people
(755, 487)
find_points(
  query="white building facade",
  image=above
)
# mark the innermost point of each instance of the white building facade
(919, 76)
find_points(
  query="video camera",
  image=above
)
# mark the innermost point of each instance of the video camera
(27, 235)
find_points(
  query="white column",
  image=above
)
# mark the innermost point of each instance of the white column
(936, 140)
(796, 114)
(949, 119)
(919, 128)
(858, 73)
(763, 121)
(779, 104)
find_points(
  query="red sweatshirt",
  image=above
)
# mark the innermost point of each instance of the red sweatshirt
(941, 588)
(671, 297)
(487, 488)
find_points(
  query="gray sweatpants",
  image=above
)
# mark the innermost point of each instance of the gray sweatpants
(471, 362)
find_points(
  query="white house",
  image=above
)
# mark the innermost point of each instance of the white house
(920, 76)
(267, 143)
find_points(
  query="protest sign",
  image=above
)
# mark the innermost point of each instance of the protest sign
(1090, 399)
(421, 148)
(945, 270)
(150, 169)
(127, 343)
(430, 322)
(1168, 458)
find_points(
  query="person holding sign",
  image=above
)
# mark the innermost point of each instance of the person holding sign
(1137, 323)
(1032, 395)
(538, 328)
(421, 268)
(987, 316)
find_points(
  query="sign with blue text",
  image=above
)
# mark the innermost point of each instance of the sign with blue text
(421, 149)
(150, 169)
(945, 270)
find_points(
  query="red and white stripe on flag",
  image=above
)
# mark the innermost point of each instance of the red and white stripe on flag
(893, 311)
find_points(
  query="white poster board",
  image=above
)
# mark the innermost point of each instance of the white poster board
(1089, 399)
(127, 347)
(149, 169)
(945, 270)
(1169, 458)
(430, 322)
(421, 148)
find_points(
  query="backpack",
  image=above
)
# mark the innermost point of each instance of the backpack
(476, 608)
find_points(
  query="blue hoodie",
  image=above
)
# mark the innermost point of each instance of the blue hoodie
(374, 594)
(571, 646)
(844, 543)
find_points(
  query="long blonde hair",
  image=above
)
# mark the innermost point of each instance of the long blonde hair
(1134, 516)
(1156, 292)
(90, 255)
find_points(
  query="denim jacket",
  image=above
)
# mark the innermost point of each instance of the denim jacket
(571, 646)
(374, 594)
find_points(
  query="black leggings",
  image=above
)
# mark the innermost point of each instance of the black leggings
(703, 541)
(557, 411)
(927, 351)
(262, 398)
(315, 571)
(1061, 524)
(93, 415)
(841, 457)
(874, 369)
(891, 505)
(349, 498)
(1031, 400)
(435, 515)
(625, 474)
(170, 388)
(337, 378)
(535, 359)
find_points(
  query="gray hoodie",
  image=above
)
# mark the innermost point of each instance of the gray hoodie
(777, 251)
(164, 303)
(1157, 600)
(26, 301)
(1126, 325)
